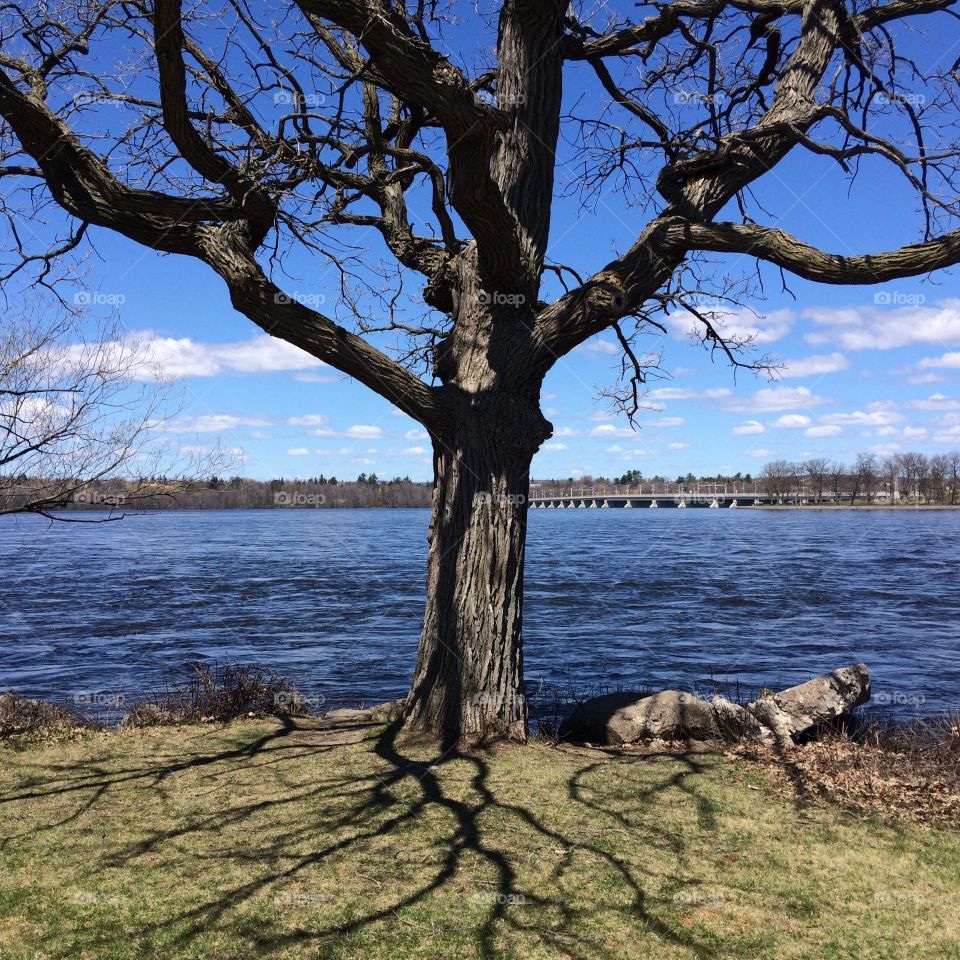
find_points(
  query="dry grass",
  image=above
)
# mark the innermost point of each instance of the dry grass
(283, 838)
(36, 719)
(908, 772)
(219, 694)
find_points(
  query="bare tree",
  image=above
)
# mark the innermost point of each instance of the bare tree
(865, 470)
(776, 478)
(65, 420)
(954, 474)
(816, 469)
(890, 471)
(247, 139)
(77, 415)
(838, 480)
(939, 470)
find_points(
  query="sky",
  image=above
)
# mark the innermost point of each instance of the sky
(862, 368)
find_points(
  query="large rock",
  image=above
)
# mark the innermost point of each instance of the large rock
(381, 713)
(737, 723)
(799, 709)
(619, 718)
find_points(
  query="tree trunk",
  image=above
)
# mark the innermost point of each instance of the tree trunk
(468, 683)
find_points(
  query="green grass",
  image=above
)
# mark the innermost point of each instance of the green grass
(280, 839)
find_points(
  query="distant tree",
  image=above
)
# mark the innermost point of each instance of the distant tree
(865, 471)
(73, 414)
(816, 470)
(776, 479)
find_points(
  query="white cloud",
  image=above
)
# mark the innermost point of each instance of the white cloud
(946, 361)
(416, 435)
(824, 430)
(761, 453)
(685, 393)
(747, 427)
(775, 399)
(793, 421)
(566, 432)
(309, 420)
(738, 324)
(878, 414)
(362, 431)
(677, 446)
(181, 358)
(609, 430)
(885, 328)
(600, 348)
(554, 447)
(814, 366)
(935, 402)
(414, 451)
(666, 422)
(213, 423)
(298, 452)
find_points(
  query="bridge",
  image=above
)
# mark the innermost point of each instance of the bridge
(647, 500)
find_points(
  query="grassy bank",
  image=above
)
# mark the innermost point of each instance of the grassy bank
(281, 838)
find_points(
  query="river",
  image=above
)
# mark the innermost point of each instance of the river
(331, 599)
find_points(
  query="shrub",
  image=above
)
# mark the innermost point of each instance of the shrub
(219, 694)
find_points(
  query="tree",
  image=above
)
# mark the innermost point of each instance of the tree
(865, 477)
(816, 469)
(70, 412)
(252, 142)
(776, 478)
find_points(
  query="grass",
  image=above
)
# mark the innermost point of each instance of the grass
(285, 838)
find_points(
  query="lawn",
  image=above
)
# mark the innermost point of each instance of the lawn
(274, 838)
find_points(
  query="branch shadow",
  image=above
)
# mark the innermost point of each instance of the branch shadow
(413, 787)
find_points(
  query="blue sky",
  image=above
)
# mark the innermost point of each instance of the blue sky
(866, 368)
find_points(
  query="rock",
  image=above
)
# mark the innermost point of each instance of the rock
(619, 718)
(797, 710)
(381, 713)
(348, 715)
(387, 712)
(738, 723)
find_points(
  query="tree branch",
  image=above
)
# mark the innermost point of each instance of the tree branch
(778, 247)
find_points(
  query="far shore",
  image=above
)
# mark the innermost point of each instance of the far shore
(899, 508)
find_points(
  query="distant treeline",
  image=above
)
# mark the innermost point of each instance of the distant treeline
(241, 493)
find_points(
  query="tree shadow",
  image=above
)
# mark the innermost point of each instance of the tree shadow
(412, 786)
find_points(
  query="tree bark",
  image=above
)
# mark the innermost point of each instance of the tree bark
(468, 683)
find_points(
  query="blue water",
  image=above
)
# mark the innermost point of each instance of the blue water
(332, 599)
